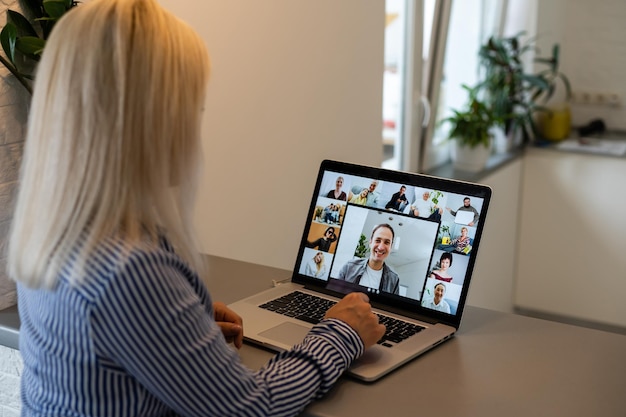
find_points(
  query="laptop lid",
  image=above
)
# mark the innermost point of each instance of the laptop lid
(408, 240)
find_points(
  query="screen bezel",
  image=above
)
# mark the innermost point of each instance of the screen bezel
(385, 301)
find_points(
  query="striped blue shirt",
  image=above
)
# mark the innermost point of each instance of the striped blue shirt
(138, 338)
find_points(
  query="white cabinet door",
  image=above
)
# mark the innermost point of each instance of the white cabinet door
(572, 247)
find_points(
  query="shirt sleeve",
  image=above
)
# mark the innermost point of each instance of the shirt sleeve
(154, 324)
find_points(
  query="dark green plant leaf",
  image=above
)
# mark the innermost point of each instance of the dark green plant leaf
(22, 78)
(568, 86)
(536, 81)
(8, 38)
(555, 52)
(24, 28)
(55, 8)
(31, 46)
(470, 126)
(547, 61)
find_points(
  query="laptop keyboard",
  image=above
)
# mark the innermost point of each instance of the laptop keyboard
(311, 309)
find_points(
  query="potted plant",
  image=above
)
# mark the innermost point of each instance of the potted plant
(514, 94)
(444, 235)
(318, 213)
(22, 43)
(470, 128)
(361, 248)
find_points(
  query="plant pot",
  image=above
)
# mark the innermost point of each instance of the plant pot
(502, 143)
(466, 158)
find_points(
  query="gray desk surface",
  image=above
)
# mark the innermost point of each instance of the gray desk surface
(497, 365)
(9, 325)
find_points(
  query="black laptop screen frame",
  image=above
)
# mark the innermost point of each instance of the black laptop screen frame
(326, 213)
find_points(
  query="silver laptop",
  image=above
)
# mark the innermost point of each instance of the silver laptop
(409, 241)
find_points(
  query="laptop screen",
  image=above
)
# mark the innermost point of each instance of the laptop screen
(405, 239)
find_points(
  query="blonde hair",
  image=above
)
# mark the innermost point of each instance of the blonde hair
(321, 264)
(114, 125)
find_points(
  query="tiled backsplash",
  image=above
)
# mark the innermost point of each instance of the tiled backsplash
(10, 372)
(14, 101)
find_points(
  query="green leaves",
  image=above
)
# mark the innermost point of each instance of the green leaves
(8, 38)
(56, 8)
(471, 125)
(31, 46)
(23, 26)
(511, 92)
(22, 42)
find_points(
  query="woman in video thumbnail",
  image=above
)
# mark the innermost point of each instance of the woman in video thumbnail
(360, 198)
(461, 242)
(442, 274)
(437, 302)
(338, 193)
(316, 267)
(324, 242)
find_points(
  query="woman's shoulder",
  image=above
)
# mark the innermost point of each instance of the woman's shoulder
(117, 251)
(440, 277)
(127, 276)
(116, 259)
(122, 273)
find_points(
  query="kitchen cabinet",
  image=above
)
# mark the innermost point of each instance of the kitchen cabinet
(571, 248)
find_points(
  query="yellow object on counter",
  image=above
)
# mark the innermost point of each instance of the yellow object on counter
(556, 123)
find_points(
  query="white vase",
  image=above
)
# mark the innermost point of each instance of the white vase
(502, 143)
(466, 158)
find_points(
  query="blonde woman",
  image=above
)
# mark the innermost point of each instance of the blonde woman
(462, 241)
(316, 267)
(360, 198)
(115, 319)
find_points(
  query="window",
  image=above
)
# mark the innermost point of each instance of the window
(445, 36)
(407, 37)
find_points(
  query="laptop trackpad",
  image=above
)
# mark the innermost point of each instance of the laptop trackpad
(287, 333)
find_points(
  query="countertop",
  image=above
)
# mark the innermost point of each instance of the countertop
(9, 327)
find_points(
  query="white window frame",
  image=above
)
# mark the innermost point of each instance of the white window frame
(417, 149)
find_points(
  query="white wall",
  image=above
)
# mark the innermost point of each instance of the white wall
(293, 83)
(592, 36)
(296, 82)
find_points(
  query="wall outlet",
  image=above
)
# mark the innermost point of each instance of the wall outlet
(614, 100)
(581, 97)
(597, 98)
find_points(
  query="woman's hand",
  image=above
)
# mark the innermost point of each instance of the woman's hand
(230, 323)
